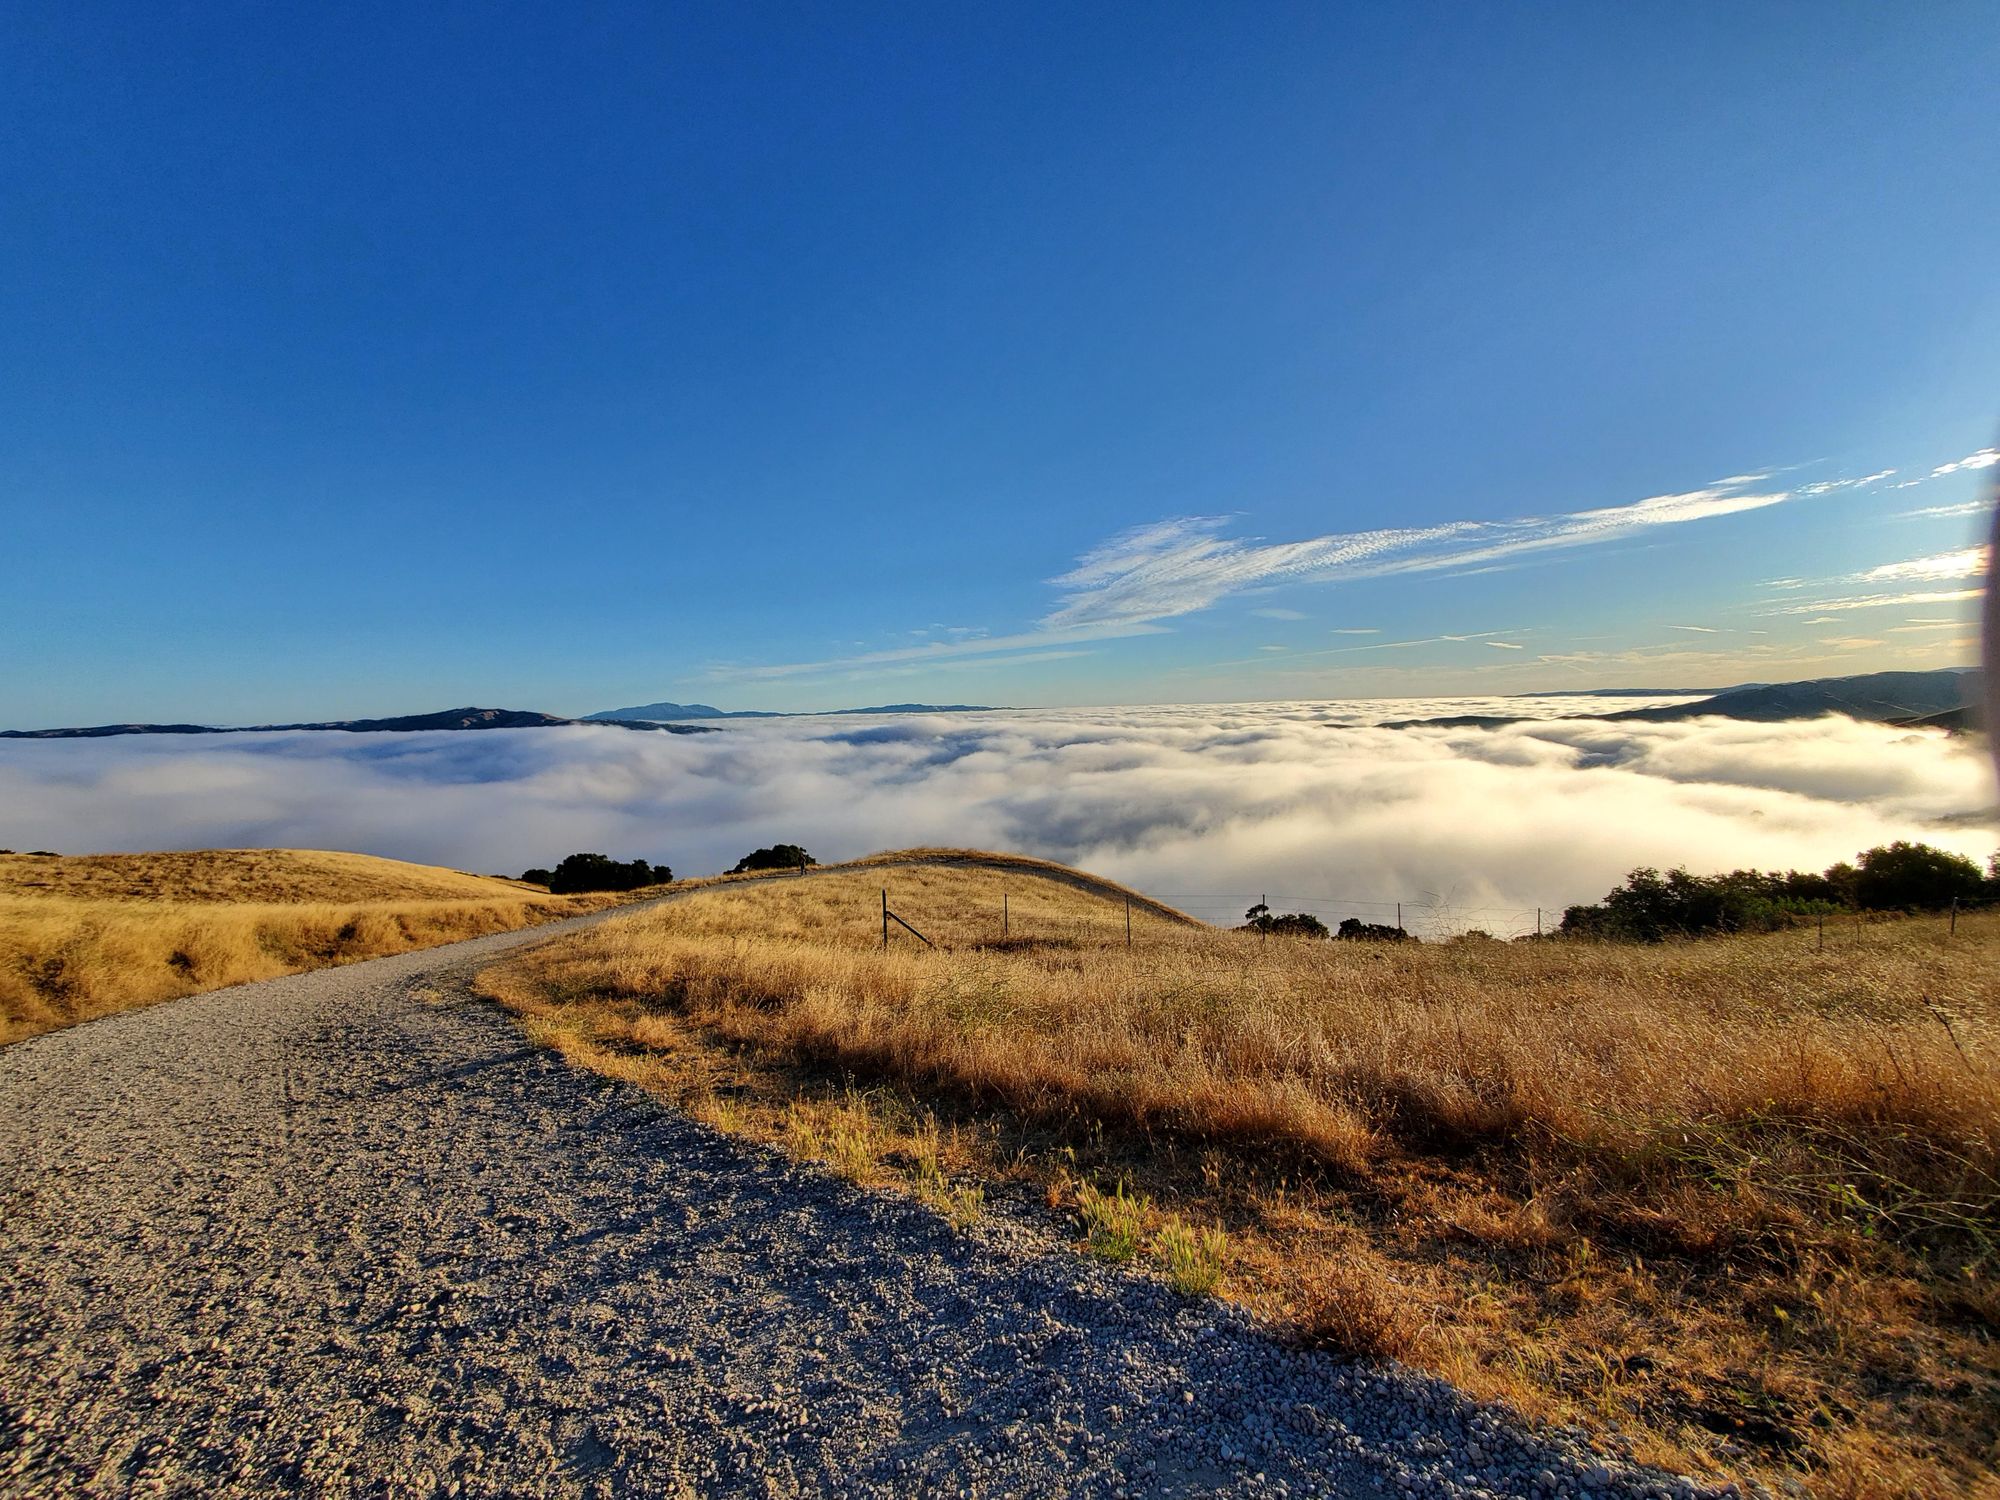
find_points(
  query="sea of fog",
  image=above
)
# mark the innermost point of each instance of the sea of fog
(1314, 804)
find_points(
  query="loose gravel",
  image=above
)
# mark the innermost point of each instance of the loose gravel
(344, 1233)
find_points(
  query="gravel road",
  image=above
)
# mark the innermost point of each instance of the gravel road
(343, 1233)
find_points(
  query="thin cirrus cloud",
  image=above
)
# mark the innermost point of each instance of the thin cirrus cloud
(1176, 567)
(1967, 562)
(1942, 512)
(1941, 567)
(1875, 601)
(1130, 583)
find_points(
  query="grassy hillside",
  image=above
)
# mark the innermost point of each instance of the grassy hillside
(85, 935)
(1740, 1197)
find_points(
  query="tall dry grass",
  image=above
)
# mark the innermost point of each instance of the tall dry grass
(84, 936)
(1755, 1054)
(1732, 1192)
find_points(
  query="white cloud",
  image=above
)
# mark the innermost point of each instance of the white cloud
(1279, 614)
(1985, 458)
(1505, 646)
(1828, 486)
(1295, 798)
(1967, 562)
(1176, 567)
(1697, 629)
(1964, 508)
(1877, 601)
(1356, 630)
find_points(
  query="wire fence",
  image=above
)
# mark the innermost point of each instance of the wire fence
(1427, 915)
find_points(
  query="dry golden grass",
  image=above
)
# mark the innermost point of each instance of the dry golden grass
(1739, 1197)
(85, 935)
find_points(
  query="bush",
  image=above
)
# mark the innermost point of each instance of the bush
(1291, 924)
(536, 877)
(595, 872)
(1650, 907)
(777, 857)
(1915, 877)
(1354, 930)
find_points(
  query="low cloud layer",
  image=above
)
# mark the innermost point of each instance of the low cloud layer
(1210, 806)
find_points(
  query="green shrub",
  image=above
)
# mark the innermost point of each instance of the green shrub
(777, 857)
(596, 872)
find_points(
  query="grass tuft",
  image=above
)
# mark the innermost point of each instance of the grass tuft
(1114, 1223)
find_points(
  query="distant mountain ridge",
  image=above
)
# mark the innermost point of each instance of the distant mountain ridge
(679, 711)
(450, 718)
(1880, 697)
(1945, 698)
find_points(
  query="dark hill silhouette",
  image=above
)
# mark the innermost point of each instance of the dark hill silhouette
(450, 718)
(680, 711)
(1938, 699)
(1882, 697)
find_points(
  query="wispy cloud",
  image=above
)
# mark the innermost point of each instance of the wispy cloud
(1876, 601)
(1697, 629)
(1033, 645)
(1133, 581)
(1506, 646)
(1967, 562)
(1179, 566)
(1356, 630)
(1828, 486)
(1985, 458)
(1964, 508)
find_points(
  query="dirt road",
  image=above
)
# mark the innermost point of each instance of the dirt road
(344, 1233)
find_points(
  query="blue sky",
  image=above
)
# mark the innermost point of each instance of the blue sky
(368, 360)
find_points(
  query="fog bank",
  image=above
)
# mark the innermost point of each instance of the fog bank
(1210, 806)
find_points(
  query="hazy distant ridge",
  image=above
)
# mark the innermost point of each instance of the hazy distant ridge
(1943, 699)
(450, 718)
(661, 711)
